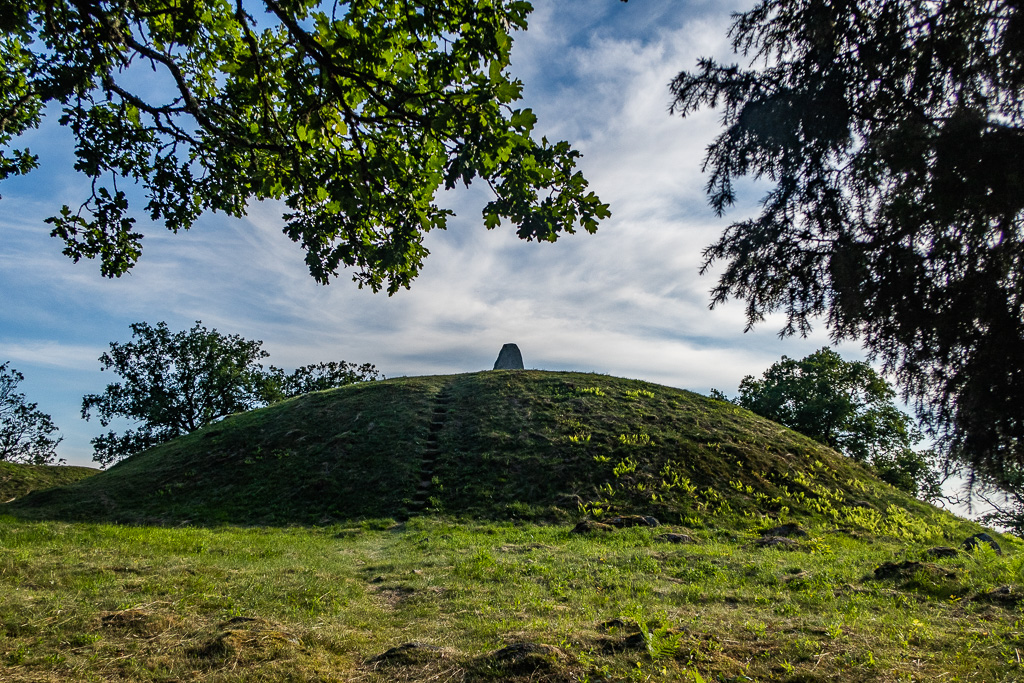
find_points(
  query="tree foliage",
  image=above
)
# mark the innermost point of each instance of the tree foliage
(891, 134)
(1004, 502)
(279, 385)
(845, 405)
(26, 433)
(355, 114)
(173, 383)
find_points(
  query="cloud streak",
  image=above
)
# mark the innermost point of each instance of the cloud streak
(627, 301)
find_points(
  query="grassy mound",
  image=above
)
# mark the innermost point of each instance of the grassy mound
(872, 585)
(499, 444)
(18, 480)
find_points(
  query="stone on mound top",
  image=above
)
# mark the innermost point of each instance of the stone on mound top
(509, 358)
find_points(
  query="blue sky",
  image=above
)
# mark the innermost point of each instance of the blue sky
(627, 301)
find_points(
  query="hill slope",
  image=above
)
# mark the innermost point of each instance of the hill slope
(526, 444)
(17, 480)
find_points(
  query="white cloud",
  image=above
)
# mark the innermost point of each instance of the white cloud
(50, 354)
(626, 301)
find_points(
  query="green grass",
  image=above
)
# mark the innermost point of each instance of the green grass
(514, 444)
(266, 548)
(114, 603)
(17, 480)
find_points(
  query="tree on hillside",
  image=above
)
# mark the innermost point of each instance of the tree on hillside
(279, 384)
(1003, 502)
(892, 134)
(355, 114)
(26, 433)
(848, 406)
(174, 383)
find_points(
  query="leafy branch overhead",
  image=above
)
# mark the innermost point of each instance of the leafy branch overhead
(355, 114)
(892, 134)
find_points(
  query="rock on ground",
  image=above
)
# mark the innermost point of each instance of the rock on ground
(509, 358)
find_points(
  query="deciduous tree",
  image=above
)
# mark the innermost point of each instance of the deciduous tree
(355, 114)
(26, 433)
(173, 383)
(279, 384)
(891, 134)
(848, 406)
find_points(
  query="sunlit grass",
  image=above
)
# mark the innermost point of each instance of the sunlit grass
(103, 602)
(266, 548)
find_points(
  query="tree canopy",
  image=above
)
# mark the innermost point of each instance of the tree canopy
(891, 134)
(355, 114)
(848, 406)
(173, 383)
(27, 435)
(279, 385)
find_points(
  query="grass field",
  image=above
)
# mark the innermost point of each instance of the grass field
(93, 602)
(422, 530)
(523, 444)
(18, 480)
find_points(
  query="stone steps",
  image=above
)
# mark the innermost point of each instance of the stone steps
(431, 451)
